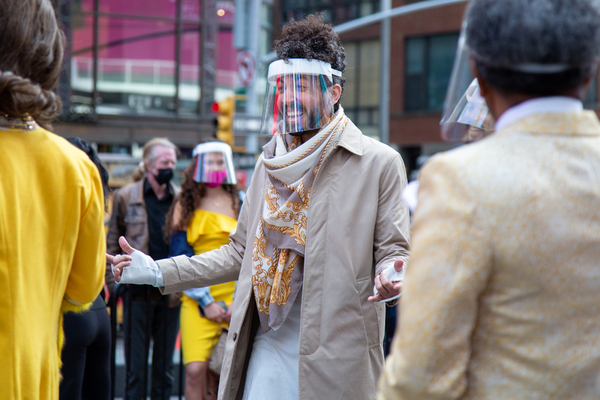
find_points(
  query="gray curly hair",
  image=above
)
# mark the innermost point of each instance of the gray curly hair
(506, 35)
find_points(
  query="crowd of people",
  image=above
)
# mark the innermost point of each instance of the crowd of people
(498, 297)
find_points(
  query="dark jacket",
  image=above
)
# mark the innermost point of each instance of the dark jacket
(129, 219)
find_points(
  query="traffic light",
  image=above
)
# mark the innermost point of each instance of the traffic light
(225, 110)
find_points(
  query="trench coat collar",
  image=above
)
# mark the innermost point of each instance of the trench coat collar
(352, 139)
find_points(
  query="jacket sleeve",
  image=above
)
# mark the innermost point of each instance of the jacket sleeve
(201, 295)
(116, 229)
(180, 246)
(210, 268)
(392, 229)
(85, 280)
(449, 269)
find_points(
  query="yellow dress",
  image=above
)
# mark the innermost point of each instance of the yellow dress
(207, 231)
(51, 247)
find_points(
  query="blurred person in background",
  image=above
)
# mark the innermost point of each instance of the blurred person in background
(502, 297)
(138, 213)
(200, 220)
(86, 352)
(321, 240)
(52, 246)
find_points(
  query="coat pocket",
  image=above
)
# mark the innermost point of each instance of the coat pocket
(369, 311)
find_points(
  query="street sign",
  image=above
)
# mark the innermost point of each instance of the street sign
(246, 123)
(246, 67)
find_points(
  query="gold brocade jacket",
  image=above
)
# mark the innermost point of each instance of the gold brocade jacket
(357, 226)
(502, 297)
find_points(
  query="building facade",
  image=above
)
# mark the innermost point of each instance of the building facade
(423, 47)
(134, 70)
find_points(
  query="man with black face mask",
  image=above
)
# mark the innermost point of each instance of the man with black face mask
(139, 211)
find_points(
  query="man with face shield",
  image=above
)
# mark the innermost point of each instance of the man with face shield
(501, 300)
(320, 242)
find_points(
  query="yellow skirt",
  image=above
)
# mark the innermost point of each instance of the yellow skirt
(199, 334)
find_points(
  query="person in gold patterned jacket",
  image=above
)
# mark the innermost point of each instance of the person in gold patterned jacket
(502, 298)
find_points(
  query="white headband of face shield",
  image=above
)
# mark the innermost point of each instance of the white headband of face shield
(212, 147)
(300, 66)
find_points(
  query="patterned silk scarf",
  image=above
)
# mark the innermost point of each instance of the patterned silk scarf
(278, 254)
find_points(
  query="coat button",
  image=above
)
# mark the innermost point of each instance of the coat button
(234, 336)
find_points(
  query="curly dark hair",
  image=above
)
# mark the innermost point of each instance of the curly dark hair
(32, 51)
(311, 39)
(189, 199)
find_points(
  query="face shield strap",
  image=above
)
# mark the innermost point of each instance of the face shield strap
(525, 68)
(301, 66)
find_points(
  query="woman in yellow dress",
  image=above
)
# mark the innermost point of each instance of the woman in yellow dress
(200, 220)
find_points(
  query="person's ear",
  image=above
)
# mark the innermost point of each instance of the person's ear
(483, 86)
(336, 92)
(588, 81)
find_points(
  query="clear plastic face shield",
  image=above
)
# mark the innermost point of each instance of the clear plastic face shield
(213, 164)
(299, 96)
(466, 116)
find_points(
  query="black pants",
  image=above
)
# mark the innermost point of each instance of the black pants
(161, 323)
(86, 354)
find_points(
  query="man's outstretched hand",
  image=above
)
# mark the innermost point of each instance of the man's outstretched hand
(120, 260)
(388, 287)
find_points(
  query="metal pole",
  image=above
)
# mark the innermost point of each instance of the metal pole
(384, 78)
(95, 56)
(252, 108)
(64, 11)
(177, 54)
(209, 56)
(373, 18)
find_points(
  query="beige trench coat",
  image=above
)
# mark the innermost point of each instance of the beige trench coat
(357, 226)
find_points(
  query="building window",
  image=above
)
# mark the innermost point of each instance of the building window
(360, 98)
(336, 12)
(428, 67)
(137, 70)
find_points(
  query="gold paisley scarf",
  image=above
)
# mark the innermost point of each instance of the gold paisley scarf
(280, 239)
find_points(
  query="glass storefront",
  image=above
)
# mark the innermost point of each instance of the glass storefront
(142, 57)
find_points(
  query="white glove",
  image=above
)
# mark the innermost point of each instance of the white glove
(393, 276)
(142, 271)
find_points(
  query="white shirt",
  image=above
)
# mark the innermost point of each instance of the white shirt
(273, 367)
(539, 105)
